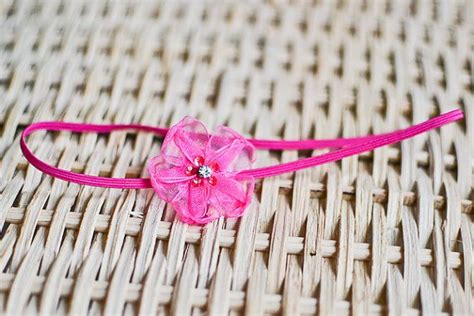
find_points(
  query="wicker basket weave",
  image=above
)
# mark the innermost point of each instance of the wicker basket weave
(389, 231)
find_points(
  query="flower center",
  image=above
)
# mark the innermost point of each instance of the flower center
(204, 172)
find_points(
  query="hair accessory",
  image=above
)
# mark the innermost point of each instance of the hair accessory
(198, 173)
(205, 176)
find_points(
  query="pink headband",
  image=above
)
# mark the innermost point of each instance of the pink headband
(206, 176)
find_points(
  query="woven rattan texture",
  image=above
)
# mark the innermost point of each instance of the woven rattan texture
(387, 231)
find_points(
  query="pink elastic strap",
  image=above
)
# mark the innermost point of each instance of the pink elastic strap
(351, 146)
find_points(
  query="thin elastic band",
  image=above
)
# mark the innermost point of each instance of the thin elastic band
(350, 146)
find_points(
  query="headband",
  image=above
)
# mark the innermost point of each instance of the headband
(205, 176)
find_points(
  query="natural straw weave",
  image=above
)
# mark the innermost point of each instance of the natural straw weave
(389, 231)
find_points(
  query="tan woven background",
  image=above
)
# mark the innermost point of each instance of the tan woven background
(388, 231)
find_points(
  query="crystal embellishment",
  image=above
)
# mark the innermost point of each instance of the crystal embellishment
(205, 172)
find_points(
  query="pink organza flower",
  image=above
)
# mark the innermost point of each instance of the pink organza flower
(197, 173)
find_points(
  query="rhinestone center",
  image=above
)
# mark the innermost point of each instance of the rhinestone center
(205, 172)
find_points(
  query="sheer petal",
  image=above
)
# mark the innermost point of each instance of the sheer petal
(166, 172)
(197, 200)
(167, 179)
(229, 150)
(185, 141)
(194, 208)
(191, 204)
(231, 197)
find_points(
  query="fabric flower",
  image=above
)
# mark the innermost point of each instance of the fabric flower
(198, 173)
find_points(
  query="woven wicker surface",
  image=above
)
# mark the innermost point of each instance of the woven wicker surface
(387, 231)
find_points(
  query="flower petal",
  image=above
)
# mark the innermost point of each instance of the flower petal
(192, 205)
(229, 150)
(167, 180)
(185, 140)
(198, 195)
(196, 209)
(164, 172)
(231, 197)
